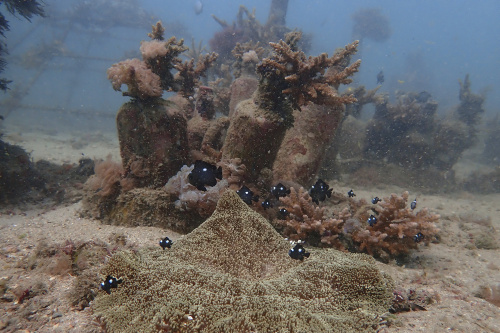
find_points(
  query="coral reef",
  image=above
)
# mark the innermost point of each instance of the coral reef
(244, 281)
(391, 235)
(288, 80)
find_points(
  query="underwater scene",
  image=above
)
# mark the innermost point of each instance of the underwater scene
(249, 166)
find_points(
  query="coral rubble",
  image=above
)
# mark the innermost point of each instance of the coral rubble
(243, 281)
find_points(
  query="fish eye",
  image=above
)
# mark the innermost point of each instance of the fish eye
(204, 169)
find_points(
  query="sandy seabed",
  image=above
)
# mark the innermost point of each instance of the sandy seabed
(461, 273)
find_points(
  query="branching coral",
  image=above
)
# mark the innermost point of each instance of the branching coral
(161, 57)
(142, 83)
(395, 228)
(157, 31)
(247, 56)
(307, 221)
(392, 234)
(187, 77)
(289, 73)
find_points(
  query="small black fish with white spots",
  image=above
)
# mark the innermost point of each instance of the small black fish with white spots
(246, 195)
(413, 204)
(204, 174)
(375, 200)
(283, 213)
(351, 194)
(110, 282)
(166, 242)
(279, 191)
(372, 220)
(298, 252)
(418, 237)
(320, 191)
(266, 204)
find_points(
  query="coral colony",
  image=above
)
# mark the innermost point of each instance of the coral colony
(254, 121)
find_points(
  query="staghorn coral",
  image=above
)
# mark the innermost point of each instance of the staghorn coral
(142, 83)
(188, 75)
(161, 57)
(258, 125)
(396, 227)
(392, 234)
(308, 221)
(289, 73)
(247, 56)
(243, 281)
(303, 149)
(157, 31)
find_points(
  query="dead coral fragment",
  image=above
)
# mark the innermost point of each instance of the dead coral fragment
(142, 83)
(302, 79)
(233, 274)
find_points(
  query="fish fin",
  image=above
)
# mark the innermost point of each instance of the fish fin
(218, 173)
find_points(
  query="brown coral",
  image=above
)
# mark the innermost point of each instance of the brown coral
(142, 83)
(308, 221)
(188, 75)
(302, 79)
(161, 57)
(393, 233)
(233, 274)
(396, 227)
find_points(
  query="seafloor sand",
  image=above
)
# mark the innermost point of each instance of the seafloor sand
(457, 274)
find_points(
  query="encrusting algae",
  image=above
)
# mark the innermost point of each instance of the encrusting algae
(233, 274)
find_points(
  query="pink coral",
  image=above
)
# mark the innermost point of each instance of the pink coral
(140, 80)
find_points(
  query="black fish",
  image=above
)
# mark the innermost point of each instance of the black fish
(204, 174)
(298, 252)
(351, 194)
(246, 195)
(380, 77)
(283, 213)
(413, 204)
(266, 204)
(279, 191)
(110, 282)
(166, 242)
(375, 200)
(320, 191)
(418, 237)
(372, 220)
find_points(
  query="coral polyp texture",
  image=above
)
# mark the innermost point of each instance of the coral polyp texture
(233, 274)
